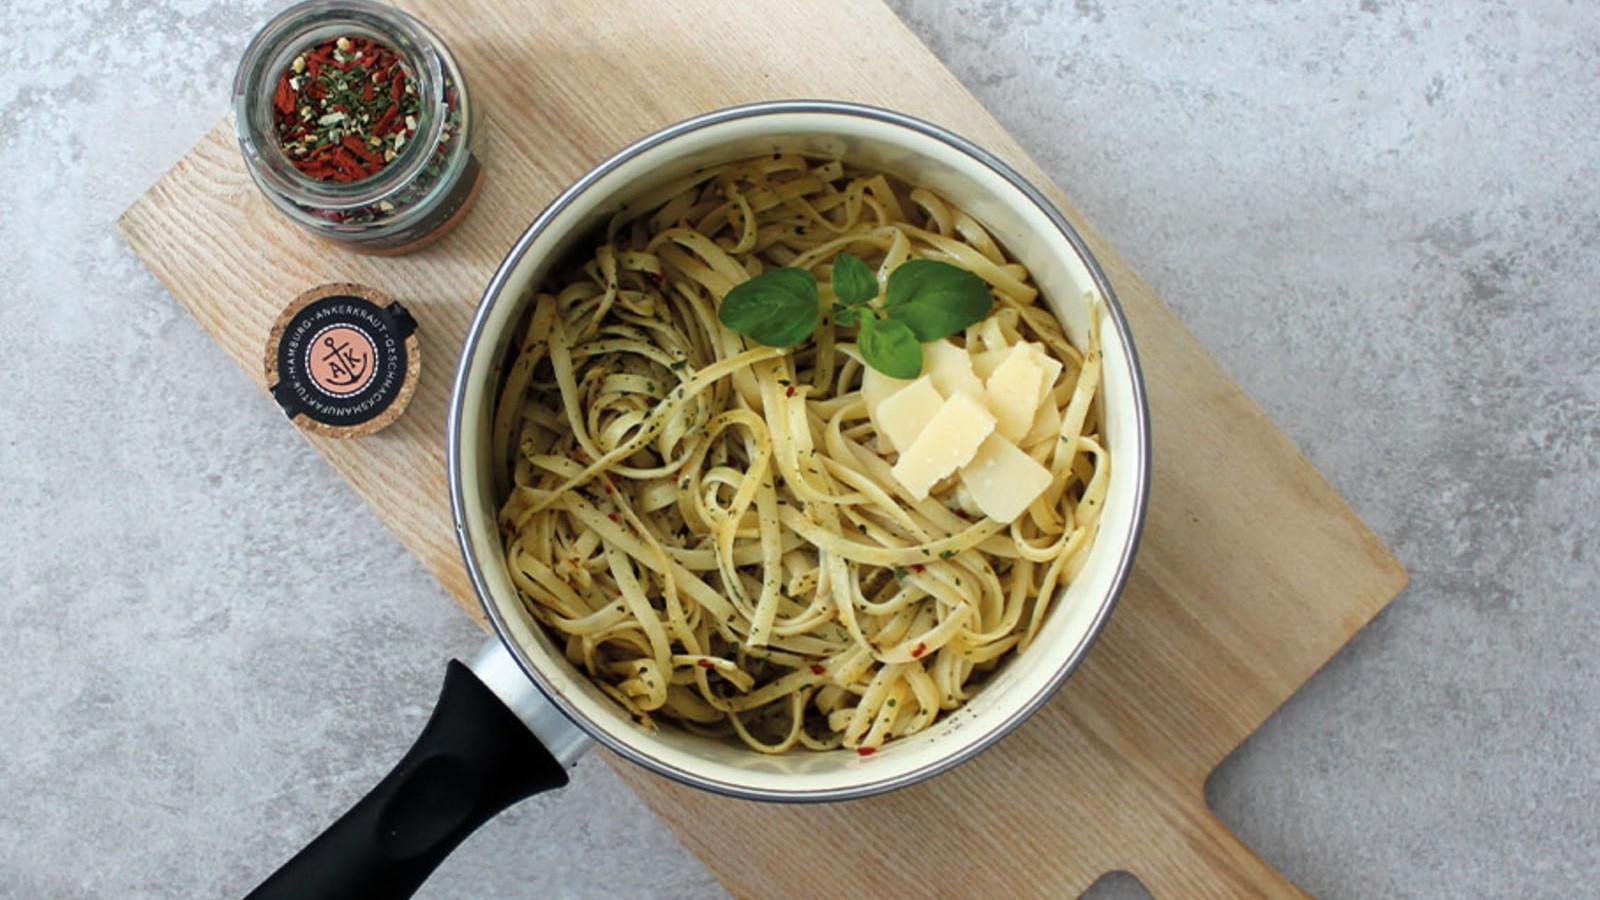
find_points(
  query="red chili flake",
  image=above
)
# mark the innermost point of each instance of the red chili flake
(612, 517)
(818, 670)
(789, 391)
(346, 162)
(917, 567)
(283, 98)
(866, 751)
(703, 663)
(354, 145)
(918, 650)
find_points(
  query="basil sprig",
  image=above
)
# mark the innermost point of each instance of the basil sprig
(925, 300)
(779, 307)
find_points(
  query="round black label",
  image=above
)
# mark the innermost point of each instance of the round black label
(342, 360)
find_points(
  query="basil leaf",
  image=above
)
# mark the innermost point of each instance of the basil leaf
(848, 315)
(853, 281)
(890, 347)
(936, 299)
(779, 307)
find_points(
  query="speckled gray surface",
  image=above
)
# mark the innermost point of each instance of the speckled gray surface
(1380, 215)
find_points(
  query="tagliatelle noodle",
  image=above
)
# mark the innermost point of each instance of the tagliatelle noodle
(708, 526)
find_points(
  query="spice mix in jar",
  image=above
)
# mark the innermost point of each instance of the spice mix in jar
(355, 121)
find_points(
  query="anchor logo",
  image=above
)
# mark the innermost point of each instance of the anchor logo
(340, 360)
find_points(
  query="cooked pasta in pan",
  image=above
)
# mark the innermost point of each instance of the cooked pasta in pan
(823, 544)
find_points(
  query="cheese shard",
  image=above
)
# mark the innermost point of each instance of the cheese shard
(905, 413)
(989, 333)
(1051, 367)
(962, 498)
(1046, 425)
(951, 369)
(1013, 392)
(877, 387)
(1002, 480)
(947, 442)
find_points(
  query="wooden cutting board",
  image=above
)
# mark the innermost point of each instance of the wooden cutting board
(1253, 572)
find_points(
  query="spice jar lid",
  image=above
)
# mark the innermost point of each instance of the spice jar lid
(343, 361)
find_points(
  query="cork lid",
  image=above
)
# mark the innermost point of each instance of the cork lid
(342, 360)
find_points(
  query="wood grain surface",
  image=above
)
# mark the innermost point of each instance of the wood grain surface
(1253, 572)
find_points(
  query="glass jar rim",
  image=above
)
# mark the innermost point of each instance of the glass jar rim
(274, 48)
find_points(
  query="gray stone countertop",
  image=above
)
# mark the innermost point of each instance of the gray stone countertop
(1381, 216)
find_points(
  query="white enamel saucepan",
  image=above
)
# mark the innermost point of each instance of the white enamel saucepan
(513, 719)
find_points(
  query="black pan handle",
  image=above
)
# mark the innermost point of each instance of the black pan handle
(474, 758)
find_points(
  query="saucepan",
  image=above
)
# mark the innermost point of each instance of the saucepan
(512, 719)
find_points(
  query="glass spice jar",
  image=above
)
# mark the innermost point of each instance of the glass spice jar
(354, 120)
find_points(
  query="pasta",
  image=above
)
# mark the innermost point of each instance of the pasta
(711, 528)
